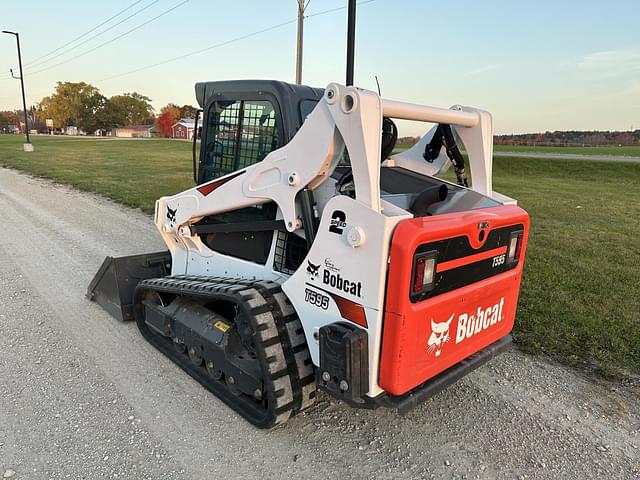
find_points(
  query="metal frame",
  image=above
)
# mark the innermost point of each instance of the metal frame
(345, 117)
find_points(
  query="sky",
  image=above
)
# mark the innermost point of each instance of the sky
(536, 66)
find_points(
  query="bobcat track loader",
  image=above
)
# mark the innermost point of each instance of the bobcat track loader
(308, 256)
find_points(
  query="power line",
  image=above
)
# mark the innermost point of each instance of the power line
(112, 40)
(87, 32)
(35, 64)
(227, 42)
(196, 52)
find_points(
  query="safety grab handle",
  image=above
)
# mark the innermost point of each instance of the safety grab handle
(421, 113)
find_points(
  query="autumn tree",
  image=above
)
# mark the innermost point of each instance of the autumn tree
(165, 121)
(74, 104)
(169, 115)
(4, 121)
(10, 115)
(173, 109)
(12, 118)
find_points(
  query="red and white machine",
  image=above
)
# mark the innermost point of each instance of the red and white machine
(309, 256)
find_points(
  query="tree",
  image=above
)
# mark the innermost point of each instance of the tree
(111, 116)
(4, 121)
(74, 104)
(165, 121)
(130, 109)
(12, 118)
(41, 109)
(36, 118)
(188, 111)
(173, 109)
(169, 115)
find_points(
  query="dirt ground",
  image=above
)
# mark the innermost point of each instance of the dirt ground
(83, 396)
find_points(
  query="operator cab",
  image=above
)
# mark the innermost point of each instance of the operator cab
(244, 120)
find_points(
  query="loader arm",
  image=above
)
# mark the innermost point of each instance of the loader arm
(346, 117)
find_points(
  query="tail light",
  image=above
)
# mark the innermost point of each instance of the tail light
(424, 269)
(515, 245)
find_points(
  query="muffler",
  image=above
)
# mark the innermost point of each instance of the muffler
(428, 197)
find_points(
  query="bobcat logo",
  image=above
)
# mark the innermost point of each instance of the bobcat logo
(313, 270)
(439, 336)
(171, 214)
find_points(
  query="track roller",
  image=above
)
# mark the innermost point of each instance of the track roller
(240, 339)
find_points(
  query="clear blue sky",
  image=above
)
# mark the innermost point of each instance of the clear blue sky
(543, 65)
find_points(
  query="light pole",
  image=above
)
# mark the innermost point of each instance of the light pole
(351, 40)
(28, 146)
(301, 9)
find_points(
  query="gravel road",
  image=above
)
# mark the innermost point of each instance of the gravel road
(83, 396)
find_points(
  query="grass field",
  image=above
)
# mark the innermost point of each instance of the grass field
(134, 172)
(580, 299)
(608, 150)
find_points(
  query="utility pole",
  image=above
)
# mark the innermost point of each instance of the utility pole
(28, 146)
(301, 9)
(351, 40)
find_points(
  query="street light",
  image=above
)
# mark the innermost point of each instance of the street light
(28, 146)
(301, 8)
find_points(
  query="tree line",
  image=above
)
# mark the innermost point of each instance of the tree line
(571, 138)
(81, 105)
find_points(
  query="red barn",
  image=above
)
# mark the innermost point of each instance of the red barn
(183, 129)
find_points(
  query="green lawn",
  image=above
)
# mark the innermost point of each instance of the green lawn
(580, 298)
(608, 150)
(134, 172)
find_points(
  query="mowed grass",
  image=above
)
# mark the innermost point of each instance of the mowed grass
(621, 151)
(625, 151)
(133, 172)
(580, 297)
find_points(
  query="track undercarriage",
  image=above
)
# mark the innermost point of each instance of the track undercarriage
(240, 339)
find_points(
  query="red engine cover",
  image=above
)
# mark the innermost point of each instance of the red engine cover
(474, 299)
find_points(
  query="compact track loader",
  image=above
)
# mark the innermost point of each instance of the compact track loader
(308, 256)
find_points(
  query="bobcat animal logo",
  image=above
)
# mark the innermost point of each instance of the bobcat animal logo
(313, 270)
(171, 214)
(439, 336)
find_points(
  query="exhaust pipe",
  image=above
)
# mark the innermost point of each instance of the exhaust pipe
(428, 197)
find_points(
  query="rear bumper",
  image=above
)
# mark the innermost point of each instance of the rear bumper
(405, 403)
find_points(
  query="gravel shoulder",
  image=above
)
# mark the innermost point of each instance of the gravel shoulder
(83, 396)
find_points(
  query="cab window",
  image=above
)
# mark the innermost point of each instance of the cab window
(239, 134)
(306, 107)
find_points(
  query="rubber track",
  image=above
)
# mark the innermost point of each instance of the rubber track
(289, 382)
(294, 342)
